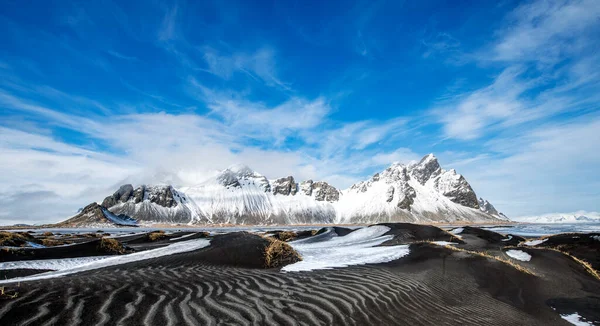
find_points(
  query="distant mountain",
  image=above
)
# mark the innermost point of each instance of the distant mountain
(576, 217)
(419, 192)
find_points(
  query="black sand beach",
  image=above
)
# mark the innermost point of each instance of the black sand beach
(432, 285)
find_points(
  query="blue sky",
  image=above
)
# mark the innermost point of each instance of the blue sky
(95, 94)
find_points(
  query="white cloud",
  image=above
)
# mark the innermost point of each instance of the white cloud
(259, 65)
(545, 31)
(551, 168)
(168, 27)
(531, 87)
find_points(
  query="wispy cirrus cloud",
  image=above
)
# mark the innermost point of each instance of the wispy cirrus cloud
(535, 37)
(260, 65)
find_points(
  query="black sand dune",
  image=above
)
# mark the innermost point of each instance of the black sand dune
(408, 233)
(485, 240)
(567, 284)
(433, 285)
(582, 246)
(243, 249)
(342, 231)
(86, 249)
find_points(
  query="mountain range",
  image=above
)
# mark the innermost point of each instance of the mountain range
(575, 217)
(418, 192)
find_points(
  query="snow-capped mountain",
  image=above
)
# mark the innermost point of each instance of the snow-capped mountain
(575, 217)
(419, 192)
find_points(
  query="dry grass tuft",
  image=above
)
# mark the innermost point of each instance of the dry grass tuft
(111, 246)
(279, 253)
(486, 255)
(54, 242)
(47, 234)
(7, 294)
(155, 236)
(13, 239)
(287, 235)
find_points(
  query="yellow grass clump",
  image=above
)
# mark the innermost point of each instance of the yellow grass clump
(5, 293)
(156, 235)
(111, 246)
(486, 255)
(287, 235)
(12, 239)
(279, 253)
(54, 242)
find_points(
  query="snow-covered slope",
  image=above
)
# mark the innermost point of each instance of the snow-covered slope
(420, 192)
(575, 217)
(239, 195)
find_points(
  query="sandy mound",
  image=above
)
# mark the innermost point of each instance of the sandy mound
(243, 249)
(582, 246)
(96, 247)
(408, 233)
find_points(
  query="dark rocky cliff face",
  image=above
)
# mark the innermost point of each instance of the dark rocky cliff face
(284, 186)
(161, 195)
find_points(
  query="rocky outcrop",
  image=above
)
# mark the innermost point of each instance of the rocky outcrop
(426, 169)
(120, 196)
(284, 186)
(485, 206)
(457, 189)
(325, 192)
(408, 198)
(320, 190)
(160, 195)
(90, 215)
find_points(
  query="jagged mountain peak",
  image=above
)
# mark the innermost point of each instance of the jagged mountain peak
(427, 168)
(238, 175)
(241, 170)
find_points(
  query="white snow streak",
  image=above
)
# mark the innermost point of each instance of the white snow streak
(52, 264)
(183, 236)
(575, 319)
(179, 247)
(519, 255)
(535, 242)
(356, 248)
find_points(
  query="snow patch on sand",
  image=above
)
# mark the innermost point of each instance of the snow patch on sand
(444, 243)
(457, 231)
(183, 236)
(576, 319)
(175, 248)
(356, 248)
(534, 242)
(52, 264)
(519, 255)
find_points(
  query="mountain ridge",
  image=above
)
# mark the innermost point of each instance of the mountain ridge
(418, 192)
